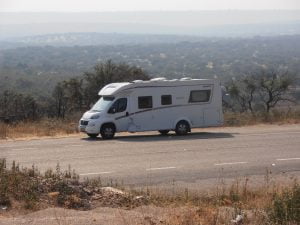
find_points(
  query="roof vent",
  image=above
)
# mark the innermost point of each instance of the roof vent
(158, 79)
(186, 78)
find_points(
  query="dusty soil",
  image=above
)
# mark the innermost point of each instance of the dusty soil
(144, 215)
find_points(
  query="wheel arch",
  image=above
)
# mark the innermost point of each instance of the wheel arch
(108, 123)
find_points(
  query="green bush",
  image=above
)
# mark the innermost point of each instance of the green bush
(286, 206)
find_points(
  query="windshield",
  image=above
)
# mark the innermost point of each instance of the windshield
(102, 103)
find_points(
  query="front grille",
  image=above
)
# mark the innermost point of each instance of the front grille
(84, 122)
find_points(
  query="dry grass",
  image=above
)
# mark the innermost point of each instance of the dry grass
(270, 203)
(45, 127)
(276, 117)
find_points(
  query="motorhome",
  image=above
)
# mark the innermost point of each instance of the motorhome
(155, 105)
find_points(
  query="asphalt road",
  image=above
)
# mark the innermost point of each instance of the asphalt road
(151, 159)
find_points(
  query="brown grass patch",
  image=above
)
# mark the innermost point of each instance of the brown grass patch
(275, 117)
(45, 127)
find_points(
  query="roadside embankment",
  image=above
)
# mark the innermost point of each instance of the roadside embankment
(30, 197)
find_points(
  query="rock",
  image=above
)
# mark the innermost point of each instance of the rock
(113, 190)
(238, 219)
(96, 197)
(88, 191)
(3, 207)
(53, 194)
(139, 197)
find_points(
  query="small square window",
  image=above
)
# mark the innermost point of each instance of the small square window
(145, 102)
(199, 96)
(166, 99)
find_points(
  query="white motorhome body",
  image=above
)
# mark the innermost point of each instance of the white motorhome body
(157, 104)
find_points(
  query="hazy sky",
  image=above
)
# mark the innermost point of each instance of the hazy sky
(133, 5)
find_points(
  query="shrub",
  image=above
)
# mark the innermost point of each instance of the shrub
(286, 206)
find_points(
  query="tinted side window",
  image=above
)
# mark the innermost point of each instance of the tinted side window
(166, 99)
(122, 105)
(145, 102)
(199, 96)
(119, 106)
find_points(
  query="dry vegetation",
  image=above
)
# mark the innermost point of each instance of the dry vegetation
(44, 127)
(271, 203)
(276, 117)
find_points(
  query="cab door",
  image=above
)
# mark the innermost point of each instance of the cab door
(119, 113)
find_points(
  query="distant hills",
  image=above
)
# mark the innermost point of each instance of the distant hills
(39, 68)
(192, 23)
(39, 49)
(88, 39)
(127, 37)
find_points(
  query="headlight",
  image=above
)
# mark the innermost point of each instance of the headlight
(94, 117)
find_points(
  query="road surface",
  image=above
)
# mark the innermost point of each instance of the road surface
(151, 159)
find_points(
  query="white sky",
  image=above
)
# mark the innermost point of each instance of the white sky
(143, 5)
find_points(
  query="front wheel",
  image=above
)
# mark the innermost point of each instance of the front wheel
(182, 128)
(107, 131)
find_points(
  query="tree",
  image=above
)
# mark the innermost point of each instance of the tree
(109, 72)
(73, 91)
(242, 91)
(273, 88)
(15, 106)
(59, 101)
(78, 94)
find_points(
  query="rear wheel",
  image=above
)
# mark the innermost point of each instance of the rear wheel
(164, 132)
(182, 128)
(92, 135)
(107, 131)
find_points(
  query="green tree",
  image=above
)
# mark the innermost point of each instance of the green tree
(242, 91)
(60, 101)
(109, 72)
(73, 91)
(273, 88)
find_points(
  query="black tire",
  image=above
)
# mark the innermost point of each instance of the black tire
(163, 132)
(182, 128)
(107, 131)
(93, 135)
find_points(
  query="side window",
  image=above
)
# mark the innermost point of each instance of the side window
(166, 99)
(145, 102)
(122, 104)
(199, 96)
(119, 106)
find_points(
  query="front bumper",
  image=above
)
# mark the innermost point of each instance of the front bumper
(81, 128)
(88, 126)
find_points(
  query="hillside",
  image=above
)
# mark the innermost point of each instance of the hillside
(37, 69)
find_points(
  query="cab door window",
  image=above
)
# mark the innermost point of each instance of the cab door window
(119, 105)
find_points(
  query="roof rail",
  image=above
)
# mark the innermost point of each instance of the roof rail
(158, 79)
(186, 78)
(137, 81)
